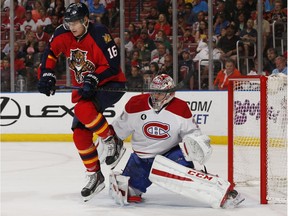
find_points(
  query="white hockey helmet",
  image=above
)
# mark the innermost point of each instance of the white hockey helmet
(159, 99)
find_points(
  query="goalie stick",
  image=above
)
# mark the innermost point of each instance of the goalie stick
(176, 88)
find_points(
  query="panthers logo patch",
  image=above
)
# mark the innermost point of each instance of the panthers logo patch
(79, 64)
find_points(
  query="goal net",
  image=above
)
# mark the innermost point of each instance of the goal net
(257, 135)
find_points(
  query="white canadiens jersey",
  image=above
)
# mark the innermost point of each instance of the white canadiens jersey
(154, 133)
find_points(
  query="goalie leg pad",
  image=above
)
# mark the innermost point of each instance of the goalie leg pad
(188, 182)
(118, 187)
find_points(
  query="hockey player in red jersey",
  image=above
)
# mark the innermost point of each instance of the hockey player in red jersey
(165, 142)
(94, 61)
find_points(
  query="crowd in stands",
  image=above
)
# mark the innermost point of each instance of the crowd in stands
(148, 43)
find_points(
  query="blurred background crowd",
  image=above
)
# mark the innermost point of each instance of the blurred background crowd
(148, 39)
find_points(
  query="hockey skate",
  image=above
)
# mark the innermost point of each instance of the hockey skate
(95, 185)
(115, 152)
(232, 199)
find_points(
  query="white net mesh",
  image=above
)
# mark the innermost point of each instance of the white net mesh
(246, 135)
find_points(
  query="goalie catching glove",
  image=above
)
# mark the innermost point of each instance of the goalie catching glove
(196, 148)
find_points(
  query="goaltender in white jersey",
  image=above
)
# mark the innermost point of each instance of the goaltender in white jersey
(165, 142)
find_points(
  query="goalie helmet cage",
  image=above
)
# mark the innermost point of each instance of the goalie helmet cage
(257, 135)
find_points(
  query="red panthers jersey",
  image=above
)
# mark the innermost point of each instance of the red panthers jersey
(95, 52)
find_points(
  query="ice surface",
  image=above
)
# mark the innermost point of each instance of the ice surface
(45, 179)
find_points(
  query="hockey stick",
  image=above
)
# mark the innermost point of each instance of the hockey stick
(176, 88)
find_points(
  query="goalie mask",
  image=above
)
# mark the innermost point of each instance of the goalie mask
(159, 99)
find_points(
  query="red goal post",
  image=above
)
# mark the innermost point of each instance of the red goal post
(257, 135)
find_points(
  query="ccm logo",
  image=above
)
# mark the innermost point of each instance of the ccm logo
(199, 175)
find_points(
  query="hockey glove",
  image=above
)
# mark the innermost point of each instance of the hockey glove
(46, 84)
(89, 84)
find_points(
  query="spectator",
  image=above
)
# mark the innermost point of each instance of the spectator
(128, 44)
(39, 54)
(162, 37)
(18, 53)
(240, 23)
(19, 10)
(135, 59)
(19, 61)
(281, 65)
(268, 5)
(50, 28)
(254, 70)
(186, 70)
(162, 24)
(196, 25)
(159, 57)
(151, 30)
(154, 68)
(198, 5)
(169, 15)
(241, 9)
(117, 41)
(187, 14)
(202, 33)
(227, 44)
(144, 52)
(269, 62)
(58, 9)
(147, 78)
(110, 17)
(30, 41)
(181, 24)
(135, 80)
(96, 10)
(186, 40)
(230, 71)
(5, 75)
(249, 37)
(134, 34)
(44, 20)
(250, 5)
(29, 59)
(31, 69)
(143, 24)
(5, 51)
(153, 14)
(202, 58)
(278, 13)
(109, 4)
(221, 10)
(167, 67)
(5, 24)
(148, 43)
(28, 24)
(220, 23)
(36, 10)
(163, 5)
(41, 35)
